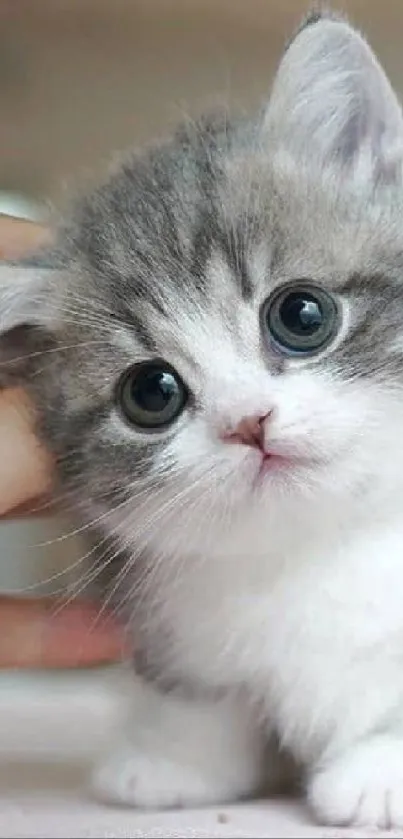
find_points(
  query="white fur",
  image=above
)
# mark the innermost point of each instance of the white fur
(321, 648)
(296, 595)
(179, 753)
(288, 590)
(363, 786)
(288, 593)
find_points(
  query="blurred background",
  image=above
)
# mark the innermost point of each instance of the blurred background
(80, 79)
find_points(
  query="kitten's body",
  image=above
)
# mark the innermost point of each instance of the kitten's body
(265, 603)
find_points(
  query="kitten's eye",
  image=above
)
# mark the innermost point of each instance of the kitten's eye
(152, 395)
(301, 318)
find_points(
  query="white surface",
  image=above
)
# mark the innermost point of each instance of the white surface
(50, 729)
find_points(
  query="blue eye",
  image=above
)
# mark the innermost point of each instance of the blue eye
(151, 395)
(301, 318)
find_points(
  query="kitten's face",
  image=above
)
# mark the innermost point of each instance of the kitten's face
(228, 328)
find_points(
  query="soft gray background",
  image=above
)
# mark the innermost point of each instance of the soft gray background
(81, 78)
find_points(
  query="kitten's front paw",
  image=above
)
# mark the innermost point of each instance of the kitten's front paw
(137, 779)
(363, 788)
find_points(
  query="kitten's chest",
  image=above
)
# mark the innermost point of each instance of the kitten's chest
(232, 630)
(232, 616)
(292, 635)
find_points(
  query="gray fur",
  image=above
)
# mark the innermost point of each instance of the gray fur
(134, 265)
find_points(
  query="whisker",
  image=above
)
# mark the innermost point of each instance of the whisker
(173, 502)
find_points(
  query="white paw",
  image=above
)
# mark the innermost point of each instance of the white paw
(363, 788)
(150, 781)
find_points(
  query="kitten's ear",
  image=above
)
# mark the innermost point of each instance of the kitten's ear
(332, 104)
(25, 329)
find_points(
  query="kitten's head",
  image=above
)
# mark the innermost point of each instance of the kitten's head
(225, 331)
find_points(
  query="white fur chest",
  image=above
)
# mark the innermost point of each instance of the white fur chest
(294, 632)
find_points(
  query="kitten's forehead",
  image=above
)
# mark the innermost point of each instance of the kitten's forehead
(201, 332)
(308, 226)
(204, 231)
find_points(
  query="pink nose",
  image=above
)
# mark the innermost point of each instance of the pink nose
(249, 432)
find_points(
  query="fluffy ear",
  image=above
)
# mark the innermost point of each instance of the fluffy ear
(25, 329)
(332, 104)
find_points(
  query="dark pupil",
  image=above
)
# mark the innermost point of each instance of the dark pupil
(153, 390)
(301, 314)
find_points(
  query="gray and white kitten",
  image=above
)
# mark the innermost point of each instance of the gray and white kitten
(217, 364)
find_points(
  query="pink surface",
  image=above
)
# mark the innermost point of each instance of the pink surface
(50, 730)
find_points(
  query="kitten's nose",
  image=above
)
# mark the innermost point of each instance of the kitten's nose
(249, 432)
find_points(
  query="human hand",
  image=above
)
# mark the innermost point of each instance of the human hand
(33, 632)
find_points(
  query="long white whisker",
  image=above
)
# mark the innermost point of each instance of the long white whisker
(178, 499)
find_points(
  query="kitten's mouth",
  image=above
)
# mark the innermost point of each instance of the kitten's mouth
(272, 463)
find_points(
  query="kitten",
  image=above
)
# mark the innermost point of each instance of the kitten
(217, 364)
